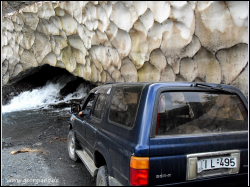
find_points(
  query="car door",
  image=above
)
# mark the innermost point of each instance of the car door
(93, 122)
(80, 121)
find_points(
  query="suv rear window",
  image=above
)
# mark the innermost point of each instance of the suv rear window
(124, 105)
(199, 113)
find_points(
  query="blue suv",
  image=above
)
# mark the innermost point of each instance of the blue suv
(179, 133)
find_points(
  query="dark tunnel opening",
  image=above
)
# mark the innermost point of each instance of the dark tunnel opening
(38, 77)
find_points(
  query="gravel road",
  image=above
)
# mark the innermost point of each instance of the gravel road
(39, 138)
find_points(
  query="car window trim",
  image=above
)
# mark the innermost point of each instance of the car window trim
(179, 89)
(94, 117)
(91, 109)
(138, 106)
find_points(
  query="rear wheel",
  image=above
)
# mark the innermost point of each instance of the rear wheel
(71, 144)
(102, 176)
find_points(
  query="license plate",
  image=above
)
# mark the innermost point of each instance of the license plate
(216, 163)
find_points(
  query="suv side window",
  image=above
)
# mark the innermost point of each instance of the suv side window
(124, 105)
(89, 102)
(99, 106)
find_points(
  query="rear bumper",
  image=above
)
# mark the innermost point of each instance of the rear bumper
(226, 180)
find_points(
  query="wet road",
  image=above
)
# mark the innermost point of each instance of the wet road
(42, 136)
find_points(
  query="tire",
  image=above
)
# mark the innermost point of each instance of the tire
(102, 176)
(71, 145)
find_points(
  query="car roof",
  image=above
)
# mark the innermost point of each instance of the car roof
(107, 85)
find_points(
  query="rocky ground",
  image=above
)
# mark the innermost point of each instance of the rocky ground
(39, 139)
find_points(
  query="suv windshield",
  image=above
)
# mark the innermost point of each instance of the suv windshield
(200, 112)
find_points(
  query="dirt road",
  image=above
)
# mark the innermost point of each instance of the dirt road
(39, 140)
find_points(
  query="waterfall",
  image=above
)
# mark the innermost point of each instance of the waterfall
(45, 96)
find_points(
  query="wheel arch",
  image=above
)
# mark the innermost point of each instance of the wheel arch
(102, 157)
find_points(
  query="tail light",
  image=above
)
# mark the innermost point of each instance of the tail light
(139, 171)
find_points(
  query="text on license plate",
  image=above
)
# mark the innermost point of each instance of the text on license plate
(215, 163)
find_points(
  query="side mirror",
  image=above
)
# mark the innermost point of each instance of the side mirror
(75, 108)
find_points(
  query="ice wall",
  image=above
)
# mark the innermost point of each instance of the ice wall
(130, 41)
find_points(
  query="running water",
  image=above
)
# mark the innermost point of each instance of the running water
(44, 97)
